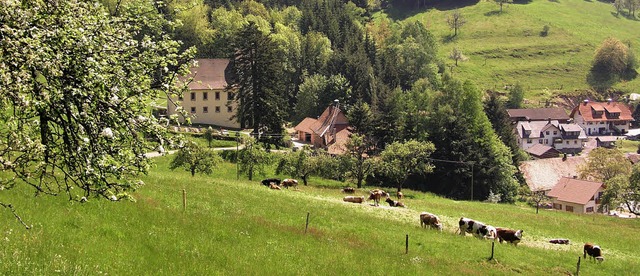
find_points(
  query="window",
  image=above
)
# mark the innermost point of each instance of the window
(546, 141)
(229, 109)
(230, 96)
(569, 208)
(205, 109)
(589, 209)
(217, 109)
(575, 142)
(555, 132)
(567, 142)
(540, 141)
(193, 96)
(205, 96)
(547, 132)
(193, 109)
(180, 98)
(217, 96)
(529, 141)
(557, 206)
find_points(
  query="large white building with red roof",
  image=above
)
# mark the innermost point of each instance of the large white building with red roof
(576, 195)
(329, 131)
(601, 118)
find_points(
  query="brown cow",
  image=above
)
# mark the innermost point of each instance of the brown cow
(594, 251)
(348, 190)
(354, 199)
(430, 220)
(509, 235)
(289, 183)
(376, 195)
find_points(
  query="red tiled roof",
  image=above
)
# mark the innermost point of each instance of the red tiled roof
(305, 125)
(574, 190)
(585, 110)
(538, 114)
(339, 146)
(330, 117)
(543, 151)
(209, 74)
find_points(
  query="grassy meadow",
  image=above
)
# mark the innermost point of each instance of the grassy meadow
(239, 227)
(509, 47)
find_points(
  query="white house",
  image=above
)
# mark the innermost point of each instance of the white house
(568, 138)
(598, 118)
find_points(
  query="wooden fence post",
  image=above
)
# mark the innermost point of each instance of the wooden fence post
(578, 267)
(406, 245)
(184, 199)
(493, 244)
(307, 225)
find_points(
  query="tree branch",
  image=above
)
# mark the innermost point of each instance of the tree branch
(8, 206)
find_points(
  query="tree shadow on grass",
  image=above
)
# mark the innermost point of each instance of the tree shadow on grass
(448, 38)
(492, 13)
(402, 10)
(624, 14)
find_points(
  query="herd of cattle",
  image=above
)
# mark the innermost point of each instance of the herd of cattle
(465, 225)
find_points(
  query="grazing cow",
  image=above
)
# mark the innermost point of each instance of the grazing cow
(394, 203)
(376, 195)
(354, 199)
(476, 228)
(430, 220)
(268, 181)
(348, 190)
(274, 186)
(594, 251)
(509, 235)
(492, 233)
(290, 183)
(400, 195)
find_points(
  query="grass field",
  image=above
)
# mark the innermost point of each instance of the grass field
(238, 227)
(507, 48)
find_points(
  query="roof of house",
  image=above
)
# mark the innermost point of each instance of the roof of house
(543, 174)
(607, 138)
(543, 151)
(340, 144)
(330, 117)
(305, 125)
(208, 74)
(587, 108)
(574, 190)
(539, 114)
(633, 157)
(536, 127)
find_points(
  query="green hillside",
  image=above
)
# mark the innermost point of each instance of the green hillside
(507, 48)
(235, 227)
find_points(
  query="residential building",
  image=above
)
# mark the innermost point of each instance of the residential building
(207, 102)
(329, 131)
(576, 195)
(538, 114)
(567, 138)
(598, 118)
(540, 151)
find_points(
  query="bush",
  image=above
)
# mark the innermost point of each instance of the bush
(545, 30)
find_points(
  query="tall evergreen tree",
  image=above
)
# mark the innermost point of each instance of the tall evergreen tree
(256, 82)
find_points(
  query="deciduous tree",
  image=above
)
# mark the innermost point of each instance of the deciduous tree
(604, 164)
(456, 20)
(400, 160)
(300, 164)
(360, 165)
(75, 83)
(194, 159)
(253, 158)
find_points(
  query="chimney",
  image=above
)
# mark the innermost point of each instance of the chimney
(548, 120)
(609, 100)
(336, 103)
(586, 101)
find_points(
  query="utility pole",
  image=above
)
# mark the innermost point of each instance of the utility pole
(471, 180)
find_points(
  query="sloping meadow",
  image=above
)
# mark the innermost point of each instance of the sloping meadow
(240, 227)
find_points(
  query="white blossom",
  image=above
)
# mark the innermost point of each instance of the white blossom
(106, 132)
(113, 198)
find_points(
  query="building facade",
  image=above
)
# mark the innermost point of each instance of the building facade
(576, 195)
(567, 138)
(206, 102)
(598, 118)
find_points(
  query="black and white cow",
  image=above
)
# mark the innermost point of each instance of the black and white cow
(476, 228)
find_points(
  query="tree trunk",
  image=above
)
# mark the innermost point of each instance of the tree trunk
(455, 31)
(359, 184)
(537, 206)
(193, 172)
(304, 179)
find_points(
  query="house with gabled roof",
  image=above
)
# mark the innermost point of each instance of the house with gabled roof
(207, 101)
(564, 137)
(538, 114)
(329, 131)
(540, 151)
(576, 195)
(598, 118)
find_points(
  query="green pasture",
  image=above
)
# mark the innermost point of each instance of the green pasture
(239, 227)
(507, 48)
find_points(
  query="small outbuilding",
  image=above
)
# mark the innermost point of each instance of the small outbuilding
(540, 151)
(576, 195)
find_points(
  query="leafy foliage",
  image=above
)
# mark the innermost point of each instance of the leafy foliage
(253, 159)
(604, 164)
(612, 62)
(76, 81)
(195, 159)
(299, 164)
(400, 160)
